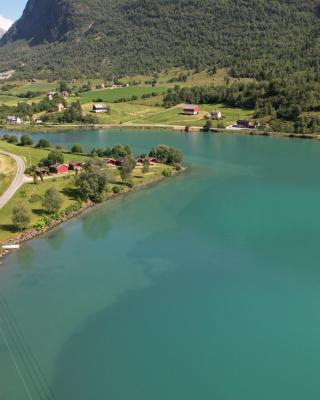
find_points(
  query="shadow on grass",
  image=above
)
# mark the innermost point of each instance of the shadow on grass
(38, 211)
(9, 228)
(71, 193)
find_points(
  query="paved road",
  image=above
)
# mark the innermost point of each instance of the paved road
(18, 180)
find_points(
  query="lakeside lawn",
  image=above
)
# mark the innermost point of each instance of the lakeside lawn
(67, 188)
(8, 170)
(33, 156)
(173, 116)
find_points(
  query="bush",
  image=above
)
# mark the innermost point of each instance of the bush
(167, 173)
(30, 170)
(74, 207)
(93, 180)
(11, 139)
(26, 140)
(54, 157)
(43, 143)
(52, 200)
(20, 217)
(116, 189)
(40, 225)
(130, 184)
(77, 148)
(166, 154)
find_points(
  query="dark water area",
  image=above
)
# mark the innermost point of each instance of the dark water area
(205, 286)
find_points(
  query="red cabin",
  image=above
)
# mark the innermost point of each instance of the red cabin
(75, 165)
(190, 109)
(111, 162)
(59, 168)
(152, 160)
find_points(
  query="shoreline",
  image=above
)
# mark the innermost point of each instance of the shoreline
(33, 233)
(176, 128)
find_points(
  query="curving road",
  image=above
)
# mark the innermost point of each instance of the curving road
(18, 180)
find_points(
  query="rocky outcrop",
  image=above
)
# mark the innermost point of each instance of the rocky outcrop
(45, 21)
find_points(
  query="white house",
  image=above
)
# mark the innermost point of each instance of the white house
(216, 114)
(51, 95)
(100, 108)
(13, 120)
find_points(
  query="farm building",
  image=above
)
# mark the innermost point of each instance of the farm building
(51, 94)
(42, 171)
(149, 160)
(100, 108)
(59, 168)
(119, 161)
(111, 162)
(190, 109)
(75, 165)
(215, 114)
(13, 120)
(244, 123)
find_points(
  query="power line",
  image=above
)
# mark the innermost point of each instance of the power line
(27, 358)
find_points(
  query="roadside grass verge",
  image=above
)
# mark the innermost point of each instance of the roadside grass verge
(8, 169)
(33, 156)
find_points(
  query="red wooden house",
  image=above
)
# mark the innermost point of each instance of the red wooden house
(191, 109)
(149, 160)
(59, 168)
(111, 162)
(75, 165)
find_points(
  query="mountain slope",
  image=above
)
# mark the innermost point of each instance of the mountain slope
(70, 38)
(2, 32)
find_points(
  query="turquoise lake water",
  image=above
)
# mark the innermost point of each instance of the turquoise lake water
(205, 286)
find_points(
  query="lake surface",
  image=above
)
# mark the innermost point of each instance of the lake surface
(206, 286)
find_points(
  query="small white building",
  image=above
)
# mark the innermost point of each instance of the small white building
(51, 95)
(100, 108)
(216, 114)
(13, 120)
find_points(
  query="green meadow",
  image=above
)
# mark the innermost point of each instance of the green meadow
(112, 95)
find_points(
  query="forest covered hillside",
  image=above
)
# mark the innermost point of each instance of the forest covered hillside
(72, 38)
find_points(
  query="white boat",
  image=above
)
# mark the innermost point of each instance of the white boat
(11, 247)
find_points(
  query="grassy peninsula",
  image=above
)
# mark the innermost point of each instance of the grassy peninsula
(49, 199)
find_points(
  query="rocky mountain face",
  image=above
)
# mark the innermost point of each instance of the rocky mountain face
(2, 32)
(46, 21)
(70, 38)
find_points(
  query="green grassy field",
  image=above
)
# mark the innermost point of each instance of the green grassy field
(33, 156)
(34, 87)
(9, 100)
(64, 186)
(138, 114)
(194, 78)
(111, 95)
(141, 111)
(124, 112)
(8, 170)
